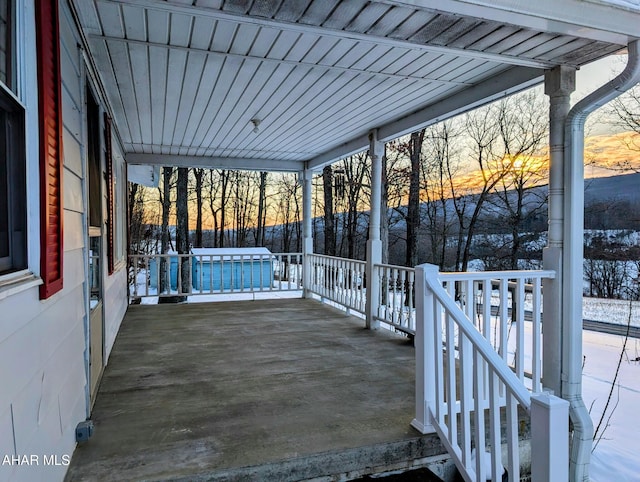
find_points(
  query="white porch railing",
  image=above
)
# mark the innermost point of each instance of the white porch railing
(339, 280)
(465, 389)
(396, 297)
(160, 275)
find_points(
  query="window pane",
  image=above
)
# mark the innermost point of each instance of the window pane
(4, 191)
(6, 33)
(13, 206)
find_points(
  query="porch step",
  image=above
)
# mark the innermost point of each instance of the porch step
(417, 475)
(350, 464)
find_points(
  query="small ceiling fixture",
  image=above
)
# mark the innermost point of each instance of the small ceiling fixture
(256, 125)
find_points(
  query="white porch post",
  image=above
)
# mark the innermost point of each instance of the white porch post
(559, 84)
(549, 440)
(374, 244)
(425, 355)
(307, 231)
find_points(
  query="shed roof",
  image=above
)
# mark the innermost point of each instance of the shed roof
(227, 253)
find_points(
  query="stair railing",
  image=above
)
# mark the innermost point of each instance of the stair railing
(467, 393)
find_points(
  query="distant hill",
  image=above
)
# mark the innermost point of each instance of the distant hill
(623, 187)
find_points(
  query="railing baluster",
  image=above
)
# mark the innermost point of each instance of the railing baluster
(495, 427)
(478, 416)
(452, 391)
(179, 280)
(439, 361)
(519, 299)
(504, 314)
(210, 274)
(536, 362)
(466, 388)
(486, 327)
(146, 283)
(513, 439)
(221, 273)
(410, 294)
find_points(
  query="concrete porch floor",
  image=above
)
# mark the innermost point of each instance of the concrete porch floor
(287, 389)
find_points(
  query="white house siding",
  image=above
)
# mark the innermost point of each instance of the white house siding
(42, 343)
(115, 286)
(115, 302)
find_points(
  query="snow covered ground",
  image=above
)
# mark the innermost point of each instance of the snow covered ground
(612, 311)
(617, 455)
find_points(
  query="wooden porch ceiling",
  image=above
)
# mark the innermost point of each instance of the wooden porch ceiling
(185, 78)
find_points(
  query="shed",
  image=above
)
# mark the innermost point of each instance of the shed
(216, 269)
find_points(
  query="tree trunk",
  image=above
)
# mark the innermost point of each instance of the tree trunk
(224, 179)
(165, 280)
(198, 173)
(182, 228)
(261, 209)
(413, 207)
(384, 211)
(329, 220)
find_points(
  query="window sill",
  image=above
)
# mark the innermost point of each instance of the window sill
(15, 283)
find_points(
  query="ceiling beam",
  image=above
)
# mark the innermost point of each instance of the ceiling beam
(509, 82)
(295, 63)
(166, 6)
(578, 18)
(232, 163)
(347, 149)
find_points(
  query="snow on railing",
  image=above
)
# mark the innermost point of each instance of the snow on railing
(340, 280)
(161, 275)
(463, 383)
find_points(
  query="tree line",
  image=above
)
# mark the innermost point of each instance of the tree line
(443, 186)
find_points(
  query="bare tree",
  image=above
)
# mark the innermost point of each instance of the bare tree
(409, 149)
(384, 209)
(198, 174)
(439, 165)
(482, 130)
(348, 177)
(329, 219)
(165, 238)
(625, 114)
(523, 132)
(182, 227)
(288, 211)
(413, 206)
(224, 193)
(262, 209)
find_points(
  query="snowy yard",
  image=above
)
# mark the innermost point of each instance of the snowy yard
(617, 456)
(611, 311)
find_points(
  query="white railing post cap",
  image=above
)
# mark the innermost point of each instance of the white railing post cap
(549, 400)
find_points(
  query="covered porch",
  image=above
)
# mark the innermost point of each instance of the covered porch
(253, 390)
(294, 86)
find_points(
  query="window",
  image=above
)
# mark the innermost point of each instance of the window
(13, 209)
(7, 57)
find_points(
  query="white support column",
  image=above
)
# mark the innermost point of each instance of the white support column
(307, 231)
(374, 244)
(425, 354)
(559, 84)
(549, 438)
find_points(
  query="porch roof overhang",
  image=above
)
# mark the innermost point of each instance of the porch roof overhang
(184, 80)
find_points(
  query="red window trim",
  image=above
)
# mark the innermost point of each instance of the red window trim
(51, 159)
(110, 194)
